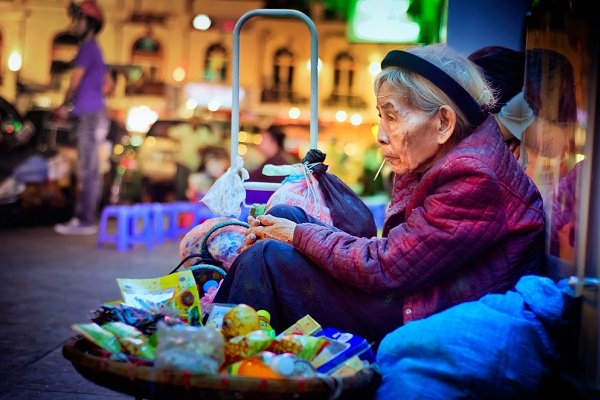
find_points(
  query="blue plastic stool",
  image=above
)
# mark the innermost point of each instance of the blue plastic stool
(197, 213)
(133, 226)
(118, 235)
(162, 221)
(140, 226)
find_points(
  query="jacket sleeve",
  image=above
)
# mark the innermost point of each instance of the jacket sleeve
(458, 220)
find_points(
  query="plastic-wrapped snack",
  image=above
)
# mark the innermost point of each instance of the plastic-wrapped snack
(139, 347)
(198, 349)
(272, 366)
(265, 322)
(247, 345)
(131, 339)
(121, 330)
(99, 336)
(303, 346)
(240, 320)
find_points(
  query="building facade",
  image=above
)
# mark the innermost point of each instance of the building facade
(159, 60)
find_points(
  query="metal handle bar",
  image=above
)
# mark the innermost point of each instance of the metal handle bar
(314, 90)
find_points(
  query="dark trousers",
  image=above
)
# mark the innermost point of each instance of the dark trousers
(274, 276)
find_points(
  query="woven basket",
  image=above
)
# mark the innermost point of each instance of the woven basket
(146, 382)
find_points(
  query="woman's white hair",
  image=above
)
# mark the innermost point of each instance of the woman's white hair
(426, 96)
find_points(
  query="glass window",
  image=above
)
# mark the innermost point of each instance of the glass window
(556, 88)
(343, 74)
(561, 86)
(215, 63)
(147, 53)
(283, 74)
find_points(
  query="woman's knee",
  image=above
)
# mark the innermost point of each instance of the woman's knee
(268, 253)
(291, 213)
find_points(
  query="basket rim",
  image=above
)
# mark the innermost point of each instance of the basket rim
(74, 351)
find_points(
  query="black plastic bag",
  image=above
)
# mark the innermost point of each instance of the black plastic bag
(348, 212)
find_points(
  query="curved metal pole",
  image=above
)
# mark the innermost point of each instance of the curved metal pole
(314, 88)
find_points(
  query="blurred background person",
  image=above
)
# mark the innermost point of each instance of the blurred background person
(514, 118)
(272, 147)
(549, 148)
(214, 162)
(504, 69)
(192, 137)
(89, 83)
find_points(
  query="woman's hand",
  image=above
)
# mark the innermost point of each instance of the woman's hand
(269, 227)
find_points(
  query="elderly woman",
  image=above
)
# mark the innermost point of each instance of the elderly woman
(464, 219)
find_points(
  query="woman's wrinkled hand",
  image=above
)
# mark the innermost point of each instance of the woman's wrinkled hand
(269, 227)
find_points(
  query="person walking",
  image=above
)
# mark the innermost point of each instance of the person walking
(88, 86)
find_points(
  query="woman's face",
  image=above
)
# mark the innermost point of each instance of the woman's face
(407, 136)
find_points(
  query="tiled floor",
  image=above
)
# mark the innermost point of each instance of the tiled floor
(47, 283)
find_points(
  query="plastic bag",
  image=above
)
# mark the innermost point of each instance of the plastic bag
(300, 189)
(226, 195)
(189, 348)
(348, 212)
(223, 245)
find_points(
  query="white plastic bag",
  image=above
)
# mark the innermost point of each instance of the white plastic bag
(226, 195)
(300, 189)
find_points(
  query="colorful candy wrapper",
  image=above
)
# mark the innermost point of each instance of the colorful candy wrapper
(121, 329)
(244, 346)
(131, 339)
(137, 346)
(100, 337)
(303, 346)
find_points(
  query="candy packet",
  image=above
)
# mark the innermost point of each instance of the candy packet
(305, 326)
(99, 336)
(244, 346)
(176, 292)
(139, 347)
(131, 339)
(303, 346)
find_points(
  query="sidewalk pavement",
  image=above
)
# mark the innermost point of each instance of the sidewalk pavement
(47, 283)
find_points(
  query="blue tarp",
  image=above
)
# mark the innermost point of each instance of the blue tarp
(499, 347)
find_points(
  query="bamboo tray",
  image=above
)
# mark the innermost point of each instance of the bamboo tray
(147, 382)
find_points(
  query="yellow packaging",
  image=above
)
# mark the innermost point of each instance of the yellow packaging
(177, 291)
(305, 326)
(349, 368)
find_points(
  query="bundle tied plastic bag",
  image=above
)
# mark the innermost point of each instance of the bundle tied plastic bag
(348, 212)
(300, 188)
(226, 195)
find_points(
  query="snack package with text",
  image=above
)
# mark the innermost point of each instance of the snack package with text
(176, 291)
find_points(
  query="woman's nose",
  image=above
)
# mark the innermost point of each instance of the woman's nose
(382, 137)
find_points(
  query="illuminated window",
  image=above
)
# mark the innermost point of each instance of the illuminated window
(215, 63)
(283, 73)
(147, 53)
(343, 81)
(343, 74)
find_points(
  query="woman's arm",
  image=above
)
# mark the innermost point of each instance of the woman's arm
(457, 221)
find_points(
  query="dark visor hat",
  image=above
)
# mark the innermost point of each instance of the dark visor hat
(416, 64)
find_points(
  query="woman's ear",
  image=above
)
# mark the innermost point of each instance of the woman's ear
(446, 123)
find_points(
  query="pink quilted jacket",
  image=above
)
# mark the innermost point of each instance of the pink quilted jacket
(471, 225)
